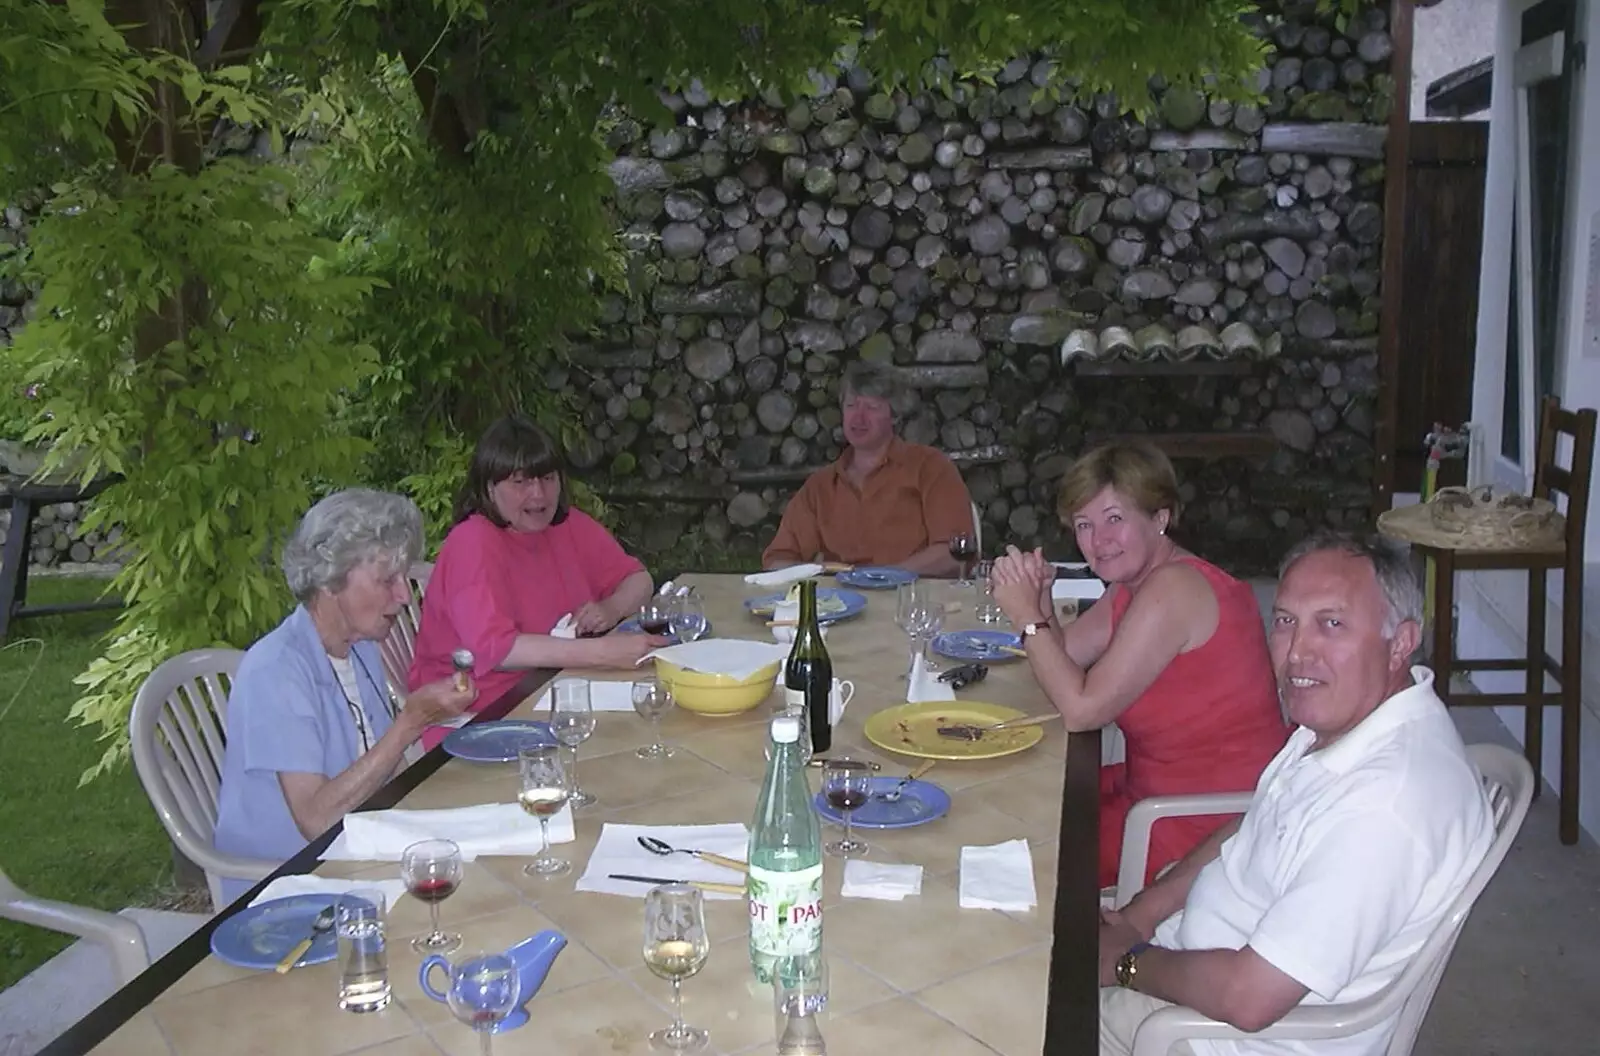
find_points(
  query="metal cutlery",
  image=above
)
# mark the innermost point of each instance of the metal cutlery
(819, 762)
(322, 923)
(893, 795)
(663, 848)
(971, 732)
(704, 885)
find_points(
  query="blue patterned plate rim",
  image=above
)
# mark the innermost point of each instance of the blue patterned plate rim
(920, 802)
(258, 936)
(853, 603)
(631, 626)
(875, 577)
(976, 645)
(497, 741)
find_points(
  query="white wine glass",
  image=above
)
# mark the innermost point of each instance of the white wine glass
(676, 947)
(652, 699)
(543, 793)
(572, 721)
(483, 991)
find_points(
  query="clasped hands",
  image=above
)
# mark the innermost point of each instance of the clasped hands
(1022, 583)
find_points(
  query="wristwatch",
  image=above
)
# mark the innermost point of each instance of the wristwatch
(1127, 969)
(1031, 629)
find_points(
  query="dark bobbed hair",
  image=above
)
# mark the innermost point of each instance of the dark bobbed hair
(510, 446)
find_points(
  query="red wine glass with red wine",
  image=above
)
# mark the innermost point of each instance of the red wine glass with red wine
(963, 548)
(432, 872)
(655, 615)
(846, 784)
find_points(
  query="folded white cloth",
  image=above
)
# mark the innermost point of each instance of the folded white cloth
(779, 577)
(1075, 589)
(925, 685)
(891, 883)
(722, 656)
(286, 886)
(491, 828)
(604, 695)
(618, 851)
(998, 877)
(564, 628)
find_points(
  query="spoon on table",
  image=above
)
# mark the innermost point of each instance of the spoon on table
(322, 923)
(893, 795)
(661, 847)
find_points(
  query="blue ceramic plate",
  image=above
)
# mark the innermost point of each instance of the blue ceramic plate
(920, 802)
(497, 742)
(631, 626)
(976, 645)
(259, 936)
(832, 604)
(875, 577)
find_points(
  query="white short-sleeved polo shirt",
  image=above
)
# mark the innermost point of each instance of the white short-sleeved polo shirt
(1346, 860)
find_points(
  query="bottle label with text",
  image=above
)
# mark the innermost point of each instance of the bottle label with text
(785, 910)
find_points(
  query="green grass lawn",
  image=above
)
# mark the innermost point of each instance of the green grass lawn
(100, 845)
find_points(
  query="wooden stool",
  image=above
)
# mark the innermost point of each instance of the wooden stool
(25, 499)
(1412, 525)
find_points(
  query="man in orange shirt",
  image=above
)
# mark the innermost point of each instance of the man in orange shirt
(884, 502)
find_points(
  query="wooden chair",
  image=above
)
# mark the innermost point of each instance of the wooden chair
(1567, 556)
(400, 646)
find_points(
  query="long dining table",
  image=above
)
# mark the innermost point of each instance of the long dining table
(918, 975)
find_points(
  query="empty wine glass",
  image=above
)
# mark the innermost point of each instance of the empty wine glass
(483, 991)
(688, 619)
(572, 721)
(544, 792)
(432, 872)
(652, 699)
(846, 784)
(927, 616)
(676, 947)
(905, 605)
(963, 548)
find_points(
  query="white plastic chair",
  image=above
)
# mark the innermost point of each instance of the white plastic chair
(178, 729)
(119, 935)
(400, 646)
(1510, 784)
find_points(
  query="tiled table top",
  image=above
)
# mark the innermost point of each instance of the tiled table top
(918, 975)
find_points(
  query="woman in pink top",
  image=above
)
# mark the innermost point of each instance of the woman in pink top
(519, 559)
(1175, 653)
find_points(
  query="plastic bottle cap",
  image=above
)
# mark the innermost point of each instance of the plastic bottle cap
(786, 729)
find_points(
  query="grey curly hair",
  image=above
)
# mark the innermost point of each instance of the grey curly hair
(1391, 564)
(346, 530)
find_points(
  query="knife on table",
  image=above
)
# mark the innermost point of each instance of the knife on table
(704, 885)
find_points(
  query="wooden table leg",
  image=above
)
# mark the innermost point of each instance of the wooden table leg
(1443, 658)
(1571, 694)
(1533, 713)
(14, 562)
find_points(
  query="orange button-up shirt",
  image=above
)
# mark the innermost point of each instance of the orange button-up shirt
(913, 499)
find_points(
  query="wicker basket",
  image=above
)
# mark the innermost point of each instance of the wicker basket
(1480, 519)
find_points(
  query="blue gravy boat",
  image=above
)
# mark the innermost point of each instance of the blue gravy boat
(533, 958)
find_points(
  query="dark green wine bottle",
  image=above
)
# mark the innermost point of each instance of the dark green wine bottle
(808, 673)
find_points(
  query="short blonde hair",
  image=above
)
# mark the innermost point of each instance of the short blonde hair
(1134, 469)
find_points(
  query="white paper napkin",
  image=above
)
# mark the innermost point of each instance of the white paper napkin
(722, 656)
(564, 628)
(604, 695)
(779, 577)
(1075, 589)
(618, 851)
(925, 685)
(998, 877)
(286, 886)
(890, 883)
(492, 828)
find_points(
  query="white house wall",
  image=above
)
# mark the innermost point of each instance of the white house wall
(1493, 605)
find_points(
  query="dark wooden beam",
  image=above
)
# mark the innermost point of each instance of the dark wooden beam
(1397, 160)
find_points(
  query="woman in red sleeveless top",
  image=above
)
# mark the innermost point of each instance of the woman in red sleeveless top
(1175, 653)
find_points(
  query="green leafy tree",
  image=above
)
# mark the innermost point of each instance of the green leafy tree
(233, 334)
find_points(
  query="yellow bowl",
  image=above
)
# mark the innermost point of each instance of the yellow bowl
(716, 695)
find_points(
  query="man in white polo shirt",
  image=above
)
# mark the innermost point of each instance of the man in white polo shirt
(1360, 834)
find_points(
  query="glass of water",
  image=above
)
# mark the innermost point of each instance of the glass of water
(988, 611)
(688, 619)
(572, 721)
(363, 950)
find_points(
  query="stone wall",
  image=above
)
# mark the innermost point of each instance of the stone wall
(1046, 274)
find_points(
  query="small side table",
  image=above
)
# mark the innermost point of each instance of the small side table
(25, 499)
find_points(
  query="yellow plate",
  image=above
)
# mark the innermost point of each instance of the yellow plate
(913, 729)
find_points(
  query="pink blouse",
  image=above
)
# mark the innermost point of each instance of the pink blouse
(491, 584)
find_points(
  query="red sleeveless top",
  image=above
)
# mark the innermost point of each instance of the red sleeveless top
(1210, 722)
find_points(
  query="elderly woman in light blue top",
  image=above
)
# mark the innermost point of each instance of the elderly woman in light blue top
(313, 728)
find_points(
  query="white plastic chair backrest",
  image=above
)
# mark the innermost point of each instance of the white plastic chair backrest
(400, 646)
(178, 731)
(1510, 782)
(119, 935)
(977, 529)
